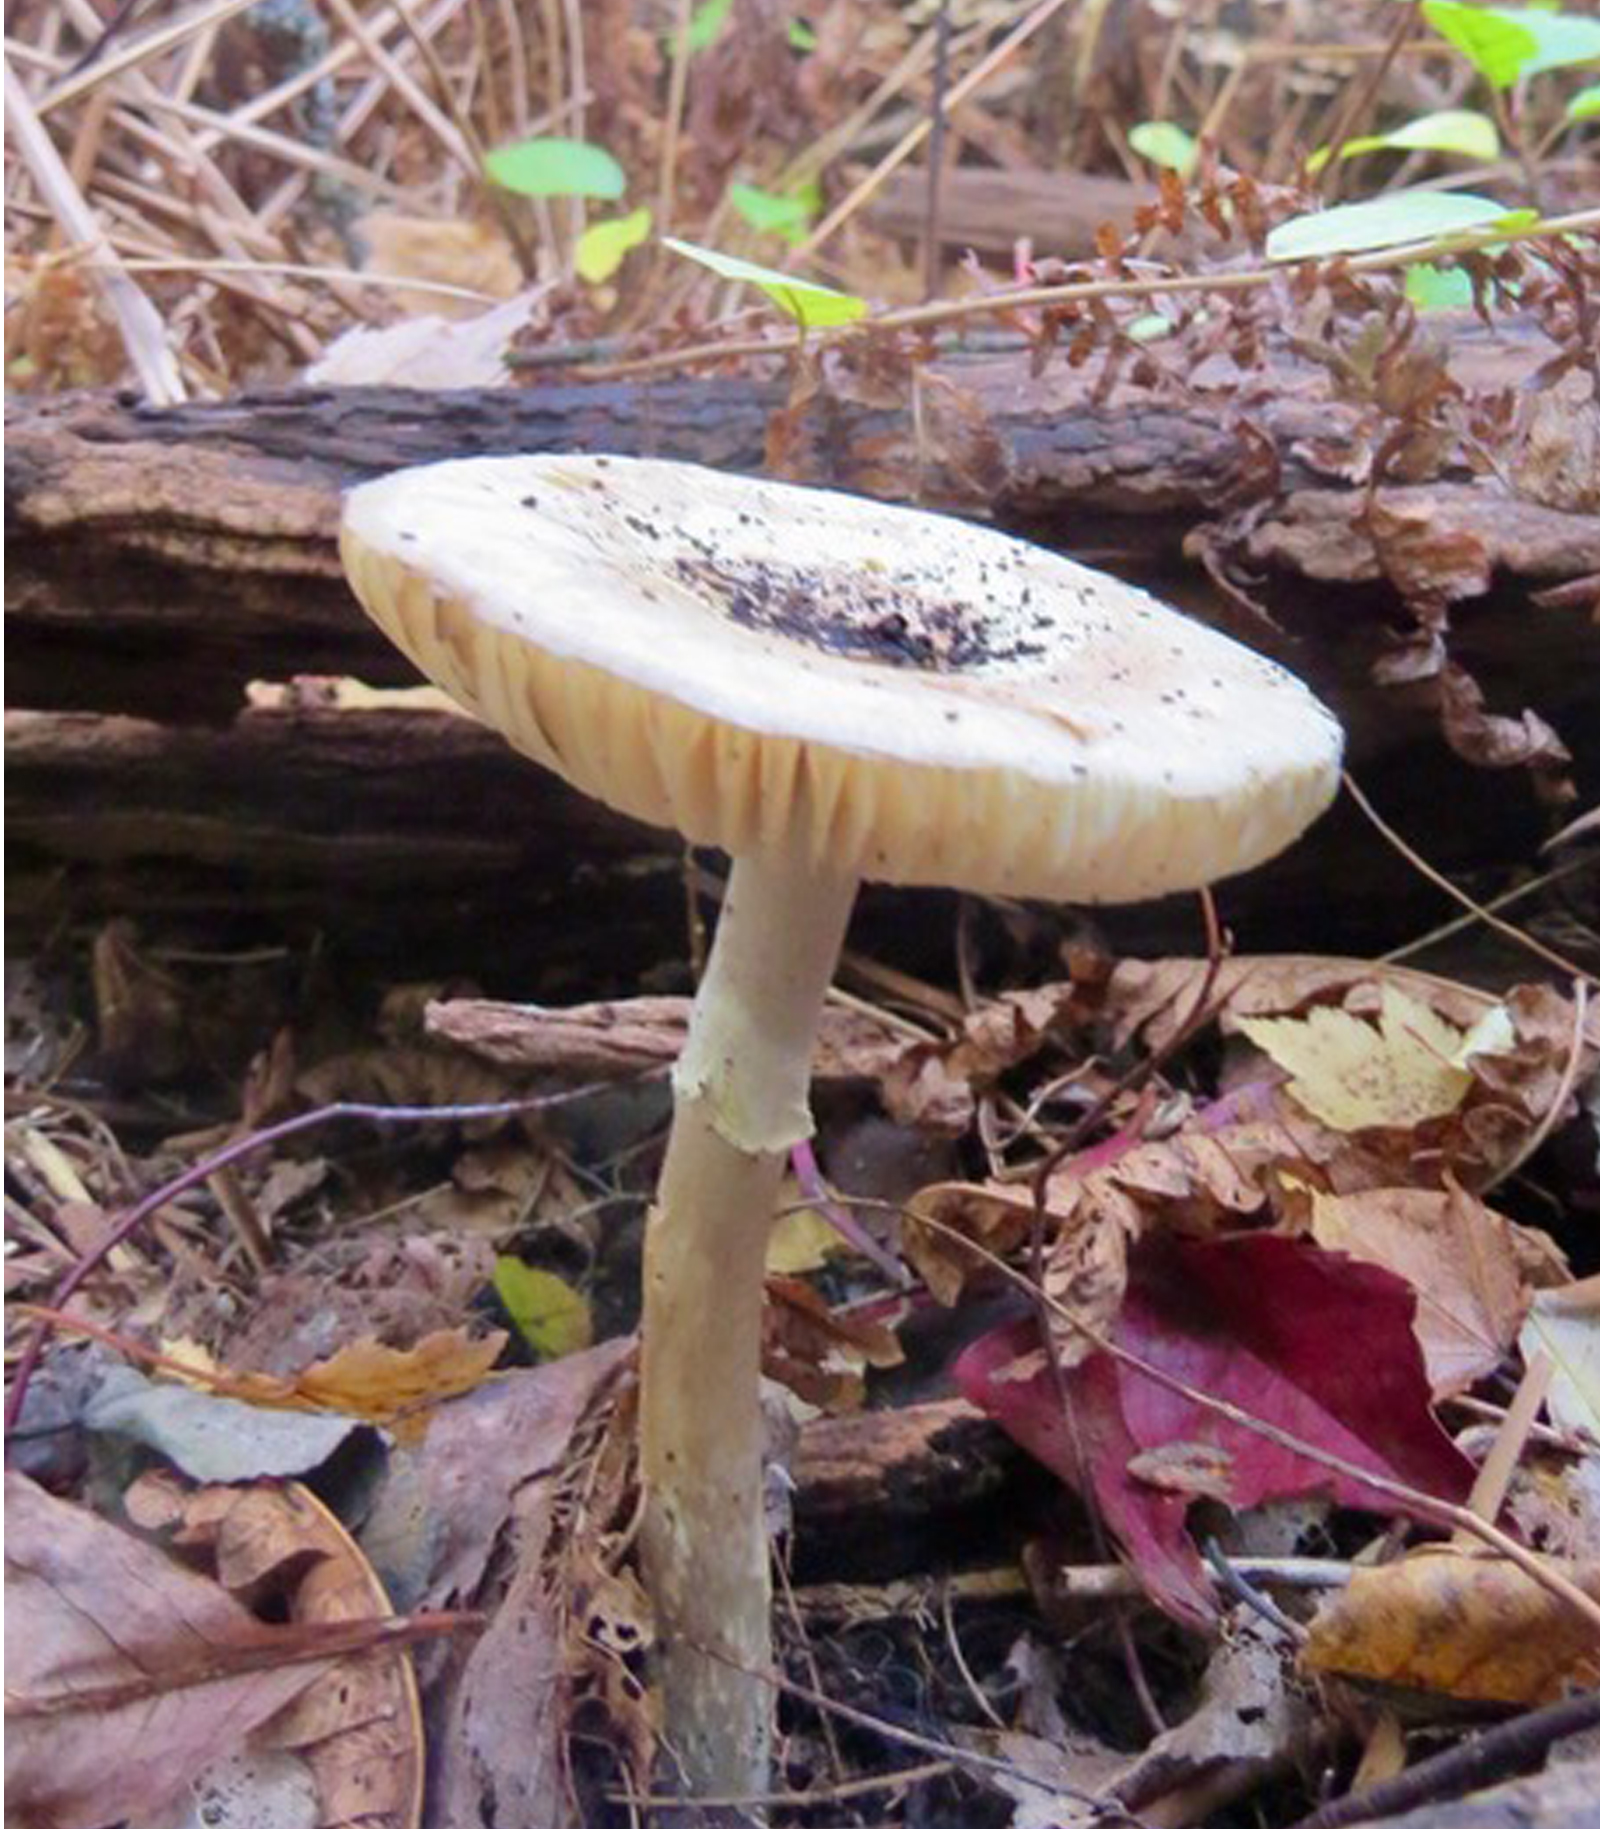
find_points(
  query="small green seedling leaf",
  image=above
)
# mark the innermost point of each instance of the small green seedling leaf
(1432, 288)
(1165, 143)
(1585, 105)
(1459, 130)
(706, 21)
(1498, 47)
(603, 246)
(813, 306)
(550, 1315)
(1506, 43)
(556, 168)
(802, 37)
(1388, 222)
(1563, 39)
(769, 213)
(1151, 327)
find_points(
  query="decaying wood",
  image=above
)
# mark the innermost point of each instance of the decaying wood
(632, 1035)
(991, 210)
(158, 556)
(159, 562)
(889, 1467)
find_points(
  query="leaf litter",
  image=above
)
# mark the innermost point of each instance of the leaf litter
(1314, 1244)
(367, 1257)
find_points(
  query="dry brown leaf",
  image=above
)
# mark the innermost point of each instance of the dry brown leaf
(820, 1355)
(1455, 1252)
(1461, 1624)
(934, 1085)
(1155, 997)
(126, 1674)
(357, 1727)
(396, 1388)
(487, 1477)
(473, 255)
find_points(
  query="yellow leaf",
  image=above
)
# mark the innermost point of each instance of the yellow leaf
(396, 1387)
(1461, 1624)
(550, 1314)
(1352, 1075)
(801, 1240)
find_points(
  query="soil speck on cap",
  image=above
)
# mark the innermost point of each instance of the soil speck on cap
(859, 617)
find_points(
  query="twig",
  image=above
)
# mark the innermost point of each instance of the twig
(1497, 1750)
(897, 156)
(1494, 1475)
(954, 311)
(1363, 97)
(939, 114)
(1520, 892)
(1479, 912)
(143, 334)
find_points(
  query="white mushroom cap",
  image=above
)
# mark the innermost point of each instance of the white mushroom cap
(890, 693)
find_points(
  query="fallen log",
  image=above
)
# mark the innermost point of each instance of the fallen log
(161, 561)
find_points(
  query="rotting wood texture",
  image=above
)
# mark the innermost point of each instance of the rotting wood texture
(161, 561)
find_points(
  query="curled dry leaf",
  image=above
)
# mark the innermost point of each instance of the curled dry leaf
(1153, 998)
(357, 1728)
(126, 1674)
(935, 1084)
(820, 1355)
(1461, 1624)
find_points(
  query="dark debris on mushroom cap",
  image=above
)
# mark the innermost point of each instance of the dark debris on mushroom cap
(906, 695)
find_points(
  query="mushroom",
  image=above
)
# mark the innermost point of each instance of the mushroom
(829, 690)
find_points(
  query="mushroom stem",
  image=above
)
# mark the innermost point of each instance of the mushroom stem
(741, 1105)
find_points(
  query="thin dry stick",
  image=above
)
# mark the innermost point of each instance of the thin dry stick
(143, 335)
(1494, 1476)
(897, 156)
(1506, 899)
(1361, 99)
(672, 127)
(139, 51)
(953, 311)
(444, 131)
(1479, 912)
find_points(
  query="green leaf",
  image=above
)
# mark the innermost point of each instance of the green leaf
(1457, 130)
(1165, 143)
(550, 1315)
(1151, 327)
(801, 36)
(1563, 39)
(1585, 105)
(769, 213)
(603, 245)
(1387, 222)
(1432, 288)
(706, 21)
(816, 307)
(1506, 43)
(556, 168)
(1497, 45)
